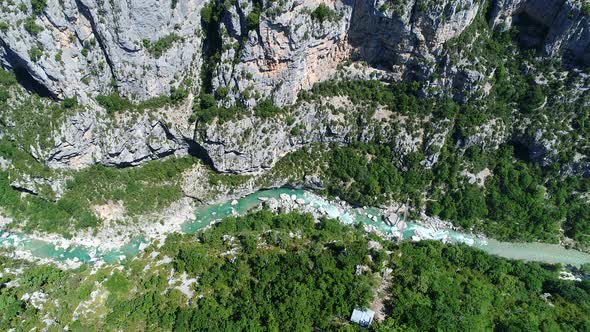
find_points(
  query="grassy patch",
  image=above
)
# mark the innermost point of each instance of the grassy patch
(160, 46)
(115, 103)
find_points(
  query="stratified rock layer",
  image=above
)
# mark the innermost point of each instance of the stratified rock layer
(143, 49)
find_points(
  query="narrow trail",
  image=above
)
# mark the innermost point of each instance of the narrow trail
(381, 295)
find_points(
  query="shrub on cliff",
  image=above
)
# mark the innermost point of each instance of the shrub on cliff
(323, 13)
(253, 20)
(37, 6)
(266, 109)
(160, 46)
(113, 102)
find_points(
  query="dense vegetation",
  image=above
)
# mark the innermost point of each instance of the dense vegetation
(38, 6)
(138, 190)
(514, 204)
(323, 13)
(259, 272)
(518, 200)
(357, 179)
(206, 110)
(277, 279)
(453, 288)
(268, 272)
(399, 98)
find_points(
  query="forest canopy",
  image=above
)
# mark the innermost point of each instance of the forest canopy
(269, 272)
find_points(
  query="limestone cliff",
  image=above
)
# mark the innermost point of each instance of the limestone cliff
(87, 47)
(556, 27)
(143, 49)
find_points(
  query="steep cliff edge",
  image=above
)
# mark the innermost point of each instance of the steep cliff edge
(264, 51)
(142, 49)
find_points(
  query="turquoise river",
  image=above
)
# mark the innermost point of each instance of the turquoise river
(206, 215)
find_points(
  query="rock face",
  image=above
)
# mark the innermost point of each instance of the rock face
(556, 27)
(252, 144)
(399, 34)
(288, 52)
(143, 48)
(84, 47)
(87, 138)
(488, 136)
(291, 50)
(36, 186)
(274, 50)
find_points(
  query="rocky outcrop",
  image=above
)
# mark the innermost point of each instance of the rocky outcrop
(90, 137)
(576, 168)
(39, 186)
(268, 50)
(252, 145)
(287, 52)
(556, 27)
(85, 47)
(488, 136)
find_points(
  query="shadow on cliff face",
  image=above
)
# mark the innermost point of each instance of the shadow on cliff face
(529, 150)
(377, 38)
(24, 78)
(199, 152)
(521, 151)
(550, 26)
(531, 33)
(30, 84)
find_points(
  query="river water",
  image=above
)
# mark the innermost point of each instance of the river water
(206, 215)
